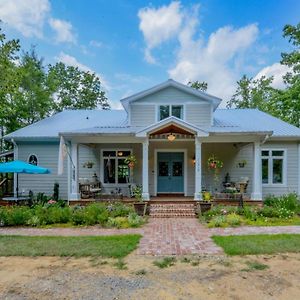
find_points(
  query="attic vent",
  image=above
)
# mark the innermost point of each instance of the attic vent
(87, 118)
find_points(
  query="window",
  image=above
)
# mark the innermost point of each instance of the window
(33, 160)
(115, 170)
(273, 162)
(166, 111)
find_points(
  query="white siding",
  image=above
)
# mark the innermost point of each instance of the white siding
(142, 115)
(47, 154)
(143, 112)
(199, 114)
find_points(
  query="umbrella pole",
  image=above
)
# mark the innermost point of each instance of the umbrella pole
(17, 185)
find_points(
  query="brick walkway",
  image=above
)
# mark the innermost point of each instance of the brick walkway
(170, 236)
(176, 236)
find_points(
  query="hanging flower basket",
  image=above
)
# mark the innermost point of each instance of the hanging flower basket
(131, 161)
(214, 163)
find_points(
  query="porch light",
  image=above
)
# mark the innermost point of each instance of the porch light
(171, 137)
(120, 153)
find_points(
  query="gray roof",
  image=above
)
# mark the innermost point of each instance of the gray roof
(115, 122)
(71, 120)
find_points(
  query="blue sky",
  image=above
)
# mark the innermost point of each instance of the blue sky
(133, 45)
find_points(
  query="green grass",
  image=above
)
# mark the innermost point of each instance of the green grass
(165, 262)
(255, 265)
(101, 246)
(259, 244)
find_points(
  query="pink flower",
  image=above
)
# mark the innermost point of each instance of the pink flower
(51, 202)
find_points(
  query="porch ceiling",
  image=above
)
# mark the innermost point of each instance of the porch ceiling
(172, 129)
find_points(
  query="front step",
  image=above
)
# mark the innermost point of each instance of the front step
(172, 210)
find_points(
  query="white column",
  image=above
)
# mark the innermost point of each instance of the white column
(198, 169)
(145, 170)
(256, 180)
(74, 173)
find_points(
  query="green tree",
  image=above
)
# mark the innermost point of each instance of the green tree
(253, 93)
(75, 89)
(198, 85)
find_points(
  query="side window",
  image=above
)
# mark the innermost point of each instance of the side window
(33, 160)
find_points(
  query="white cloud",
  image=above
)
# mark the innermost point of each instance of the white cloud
(159, 25)
(72, 61)
(64, 31)
(26, 16)
(276, 70)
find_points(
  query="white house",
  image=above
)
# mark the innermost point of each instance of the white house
(172, 130)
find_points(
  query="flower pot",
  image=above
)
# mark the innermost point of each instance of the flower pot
(140, 208)
(131, 165)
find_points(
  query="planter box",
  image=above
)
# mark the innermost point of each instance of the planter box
(140, 208)
(109, 197)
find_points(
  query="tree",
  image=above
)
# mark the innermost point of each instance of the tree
(253, 93)
(198, 85)
(75, 89)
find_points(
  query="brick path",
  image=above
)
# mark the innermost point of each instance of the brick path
(161, 236)
(176, 236)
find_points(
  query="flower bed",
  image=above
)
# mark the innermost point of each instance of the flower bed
(113, 215)
(282, 210)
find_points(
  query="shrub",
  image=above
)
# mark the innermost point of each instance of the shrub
(78, 217)
(217, 221)
(269, 212)
(14, 216)
(119, 210)
(289, 202)
(233, 219)
(134, 220)
(250, 213)
(118, 222)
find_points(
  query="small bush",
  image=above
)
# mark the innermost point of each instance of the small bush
(118, 222)
(135, 220)
(217, 221)
(233, 219)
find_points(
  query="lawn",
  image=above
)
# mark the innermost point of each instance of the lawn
(259, 244)
(102, 246)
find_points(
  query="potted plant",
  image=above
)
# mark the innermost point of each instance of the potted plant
(140, 206)
(131, 161)
(206, 196)
(242, 163)
(88, 164)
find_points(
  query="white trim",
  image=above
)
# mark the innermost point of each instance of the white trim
(185, 167)
(198, 169)
(145, 170)
(74, 173)
(16, 157)
(270, 166)
(101, 165)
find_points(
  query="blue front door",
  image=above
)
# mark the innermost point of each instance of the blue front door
(170, 172)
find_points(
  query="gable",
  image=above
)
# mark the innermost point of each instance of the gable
(170, 95)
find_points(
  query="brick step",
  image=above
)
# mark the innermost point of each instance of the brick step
(172, 210)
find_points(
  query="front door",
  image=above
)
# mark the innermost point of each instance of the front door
(170, 172)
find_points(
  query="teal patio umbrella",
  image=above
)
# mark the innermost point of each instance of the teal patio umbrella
(18, 166)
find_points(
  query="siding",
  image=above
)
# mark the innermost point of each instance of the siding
(47, 154)
(199, 114)
(142, 115)
(143, 111)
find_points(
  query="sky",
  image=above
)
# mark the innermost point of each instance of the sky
(134, 45)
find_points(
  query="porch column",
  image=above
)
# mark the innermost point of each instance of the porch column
(74, 173)
(145, 194)
(198, 170)
(256, 180)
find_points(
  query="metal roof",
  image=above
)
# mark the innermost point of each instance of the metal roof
(115, 122)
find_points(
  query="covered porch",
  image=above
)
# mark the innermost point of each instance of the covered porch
(171, 160)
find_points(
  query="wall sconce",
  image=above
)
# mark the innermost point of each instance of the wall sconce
(194, 159)
(171, 137)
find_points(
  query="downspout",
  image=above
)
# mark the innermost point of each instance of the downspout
(16, 155)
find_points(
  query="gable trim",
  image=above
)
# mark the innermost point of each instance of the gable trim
(172, 121)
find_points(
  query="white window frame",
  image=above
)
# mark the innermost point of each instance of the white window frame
(116, 184)
(182, 117)
(270, 167)
(37, 158)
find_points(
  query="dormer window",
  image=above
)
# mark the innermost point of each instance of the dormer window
(166, 111)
